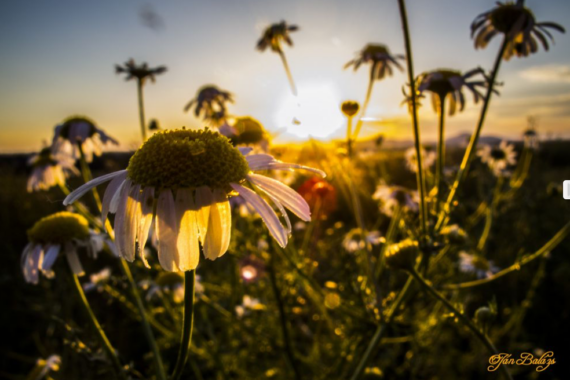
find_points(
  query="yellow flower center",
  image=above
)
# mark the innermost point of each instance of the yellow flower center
(249, 130)
(182, 158)
(442, 86)
(59, 228)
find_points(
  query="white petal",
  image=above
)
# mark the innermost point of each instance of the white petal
(203, 202)
(81, 190)
(265, 211)
(51, 255)
(122, 222)
(187, 241)
(257, 161)
(245, 150)
(73, 259)
(147, 203)
(219, 226)
(33, 263)
(110, 192)
(284, 194)
(166, 231)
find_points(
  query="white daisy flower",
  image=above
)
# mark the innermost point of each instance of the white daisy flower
(391, 197)
(498, 158)
(428, 159)
(80, 130)
(62, 231)
(181, 180)
(49, 170)
(476, 264)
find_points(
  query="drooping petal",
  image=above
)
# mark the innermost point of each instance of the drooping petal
(245, 150)
(187, 242)
(267, 162)
(147, 203)
(122, 220)
(284, 194)
(51, 255)
(81, 190)
(166, 229)
(203, 203)
(219, 226)
(73, 259)
(266, 212)
(110, 192)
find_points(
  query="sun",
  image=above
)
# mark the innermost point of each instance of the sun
(314, 112)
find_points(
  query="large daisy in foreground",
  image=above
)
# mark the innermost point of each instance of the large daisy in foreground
(181, 180)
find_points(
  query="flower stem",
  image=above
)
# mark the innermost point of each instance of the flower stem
(349, 136)
(86, 172)
(549, 246)
(283, 319)
(462, 317)
(379, 334)
(288, 71)
(413, 94)
(140, 85)
(97, 327)
(359, 122)
(187, 324)
(440, 154)
(469, 153)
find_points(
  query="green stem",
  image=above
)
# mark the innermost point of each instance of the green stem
(462, 317)
(413, 94)
(489, 215)
(144, 320)
(283, 320)
(469, 153)
(440, 154)
(140, 85)
(380, 331)
(97, 327)
(359, 122)
(549, 246)
(288, 71)
(187, 324)
(349, 136)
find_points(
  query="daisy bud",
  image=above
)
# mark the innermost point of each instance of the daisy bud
(402, 255)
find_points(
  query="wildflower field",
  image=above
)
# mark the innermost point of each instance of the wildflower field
(218, 252)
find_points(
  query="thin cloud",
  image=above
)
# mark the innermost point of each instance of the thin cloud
(547, 74)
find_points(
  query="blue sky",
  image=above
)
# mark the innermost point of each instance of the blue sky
(58, 60)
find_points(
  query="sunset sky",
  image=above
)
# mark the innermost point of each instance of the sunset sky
(58, 60)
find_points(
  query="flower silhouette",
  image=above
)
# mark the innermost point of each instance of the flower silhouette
(519, 27)
(210, 102)
(273, 36)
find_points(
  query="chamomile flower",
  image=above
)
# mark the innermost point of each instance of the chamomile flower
(379, 57)
(49, 169)
(498, 158)
(139, 72)
(247, 131)
(530, 137)
(518, 25)
(477, 265)
(181, 180)
(45, 366)
(428, 159)
(60, 232)
(392, 197)
(210, 102)
(97, 279)
(78, 130)
(449, 84)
